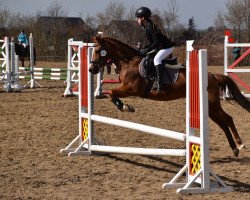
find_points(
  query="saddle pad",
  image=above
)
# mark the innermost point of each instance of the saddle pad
(170, 75)
(142, 70)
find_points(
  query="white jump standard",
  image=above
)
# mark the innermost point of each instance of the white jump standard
(197, 166)
(231, 69)
(8, 66)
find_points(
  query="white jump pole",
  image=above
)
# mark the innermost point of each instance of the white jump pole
(136, 126)
(33, 82)
(32, 78)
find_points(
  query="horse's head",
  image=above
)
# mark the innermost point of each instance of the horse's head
(99, 55)
(108, 48)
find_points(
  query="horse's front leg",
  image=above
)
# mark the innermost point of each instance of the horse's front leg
(123, 91)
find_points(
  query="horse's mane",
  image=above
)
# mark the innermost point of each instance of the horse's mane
(128, 47)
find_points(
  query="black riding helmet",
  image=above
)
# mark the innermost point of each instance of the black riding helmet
(143, 12)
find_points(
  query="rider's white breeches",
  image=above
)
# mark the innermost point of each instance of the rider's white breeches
(162, 54)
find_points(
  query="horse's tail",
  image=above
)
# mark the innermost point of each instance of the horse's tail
(233, 90)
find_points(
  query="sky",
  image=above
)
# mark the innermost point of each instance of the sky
(203, 11)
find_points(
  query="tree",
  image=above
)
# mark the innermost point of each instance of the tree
(4, 17)
(171, 19)
(131, 13)
(219, 22)
(114, 12)
(158, 20)
(236, 17)
(56, 9)
(190, 33)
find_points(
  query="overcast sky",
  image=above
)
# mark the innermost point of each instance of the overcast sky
(203, 11)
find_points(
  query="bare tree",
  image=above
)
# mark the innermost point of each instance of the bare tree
(171, 19)
(56, 9)
(219, 22)
(237, 17)
(91, 22)
(102, 19)
(131, 13)
(112, 21)
(116, 11)
(4, 17)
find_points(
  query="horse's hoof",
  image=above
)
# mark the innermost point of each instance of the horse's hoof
(128, 108)
(242, 146)
(236, 152)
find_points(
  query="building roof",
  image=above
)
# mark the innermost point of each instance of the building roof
(73, 21)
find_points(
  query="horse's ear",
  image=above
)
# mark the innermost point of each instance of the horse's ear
(99, 34)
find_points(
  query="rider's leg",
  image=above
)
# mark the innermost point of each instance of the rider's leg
(162, 54)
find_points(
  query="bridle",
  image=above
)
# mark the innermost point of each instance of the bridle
(99, 62)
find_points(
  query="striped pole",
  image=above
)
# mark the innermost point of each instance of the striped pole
(43, 73)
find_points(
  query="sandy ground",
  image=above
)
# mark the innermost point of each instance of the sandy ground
(36, 124)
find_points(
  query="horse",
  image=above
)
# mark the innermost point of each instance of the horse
(127, 60)
(24, 52)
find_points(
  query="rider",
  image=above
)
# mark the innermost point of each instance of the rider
(22, 38)
(157, 40)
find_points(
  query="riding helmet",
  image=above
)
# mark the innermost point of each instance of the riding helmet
(143, 12)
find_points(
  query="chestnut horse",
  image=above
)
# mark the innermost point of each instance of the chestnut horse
(127, 60)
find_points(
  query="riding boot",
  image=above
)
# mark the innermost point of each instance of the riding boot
(159, 78)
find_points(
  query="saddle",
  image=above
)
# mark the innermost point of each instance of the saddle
(171, 68)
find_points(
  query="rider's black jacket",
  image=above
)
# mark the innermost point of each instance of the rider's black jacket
(157, 40)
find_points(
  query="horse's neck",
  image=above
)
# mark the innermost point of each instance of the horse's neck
(120, 52)
(126, 64)
(121, 55)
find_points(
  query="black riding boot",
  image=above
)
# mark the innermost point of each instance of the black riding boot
(159, 78)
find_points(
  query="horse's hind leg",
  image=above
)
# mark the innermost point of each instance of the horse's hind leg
(229, 121)
(220, 122)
